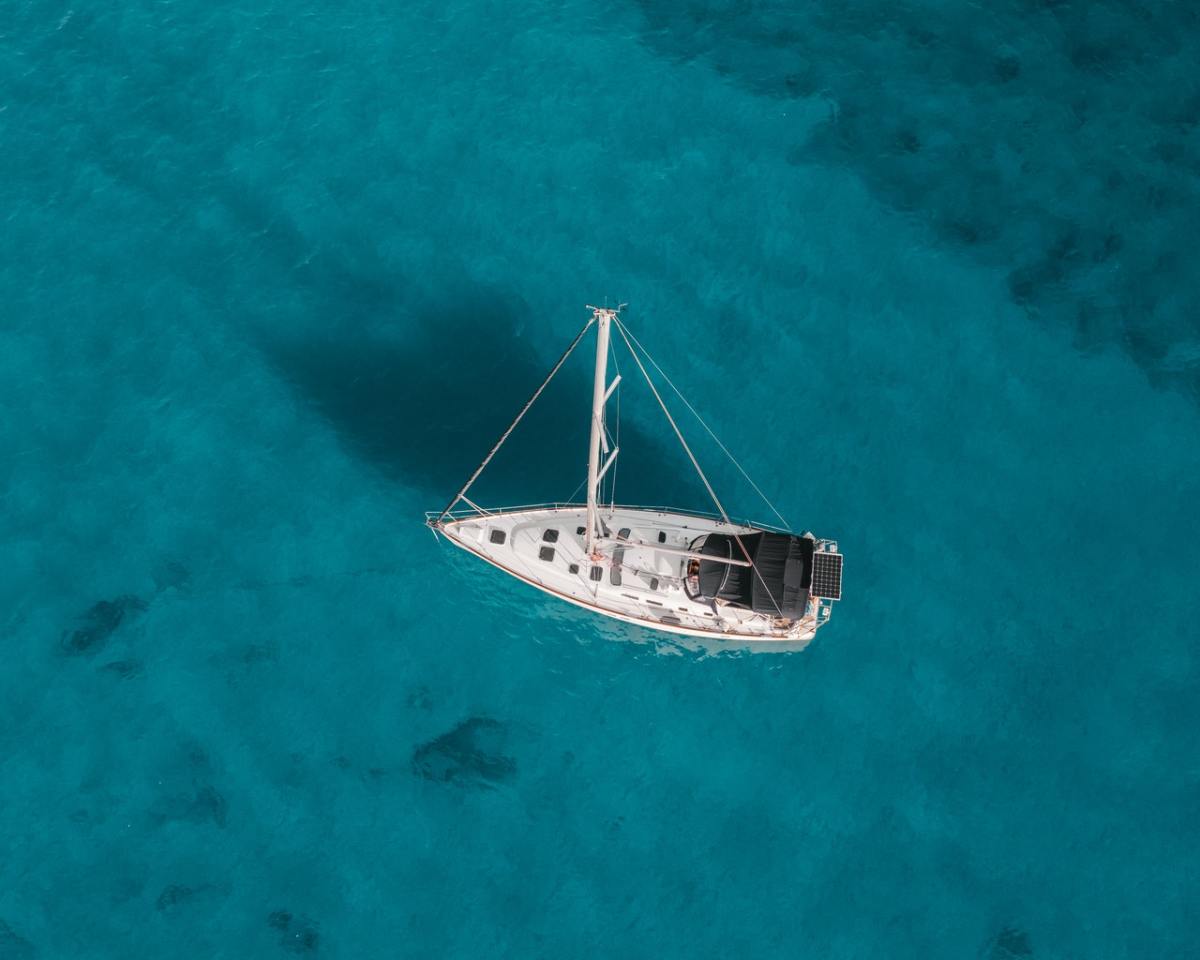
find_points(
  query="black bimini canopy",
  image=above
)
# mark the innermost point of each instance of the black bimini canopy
(784, 564)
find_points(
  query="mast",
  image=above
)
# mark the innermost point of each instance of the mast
(600, 394)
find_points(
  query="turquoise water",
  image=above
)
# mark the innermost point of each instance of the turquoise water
(273, 279)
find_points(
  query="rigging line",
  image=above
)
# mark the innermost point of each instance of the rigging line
(708, 429)
(524, 410)
(695, 463)
(571, 498)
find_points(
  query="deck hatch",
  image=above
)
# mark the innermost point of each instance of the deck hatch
(550, 536)
(497, 536)
(546, 553)
(827, 576)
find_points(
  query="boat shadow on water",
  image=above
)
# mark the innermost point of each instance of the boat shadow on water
(422, 407)
(421, 403)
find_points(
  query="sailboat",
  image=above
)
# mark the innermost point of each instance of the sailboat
(697, 574)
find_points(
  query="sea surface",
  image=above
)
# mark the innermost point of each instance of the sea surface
(273, 277)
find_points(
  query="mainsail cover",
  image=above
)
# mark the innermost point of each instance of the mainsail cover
(784, 572)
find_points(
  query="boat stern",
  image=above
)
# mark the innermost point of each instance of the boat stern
(825, 587)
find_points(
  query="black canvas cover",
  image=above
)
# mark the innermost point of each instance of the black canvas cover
(784, 565)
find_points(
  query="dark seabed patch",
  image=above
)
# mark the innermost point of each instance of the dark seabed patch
(371, 775)
(255, 653)
(1009, 944)
(205, 805)
(99, 623)
(190, 795)
(126, 888)
(296, 934)
(171, 575)
(13, 946)
(419, 698)
(1055, 141)
(472, 754)
(176, 894)
(123, 669)
(173, 895)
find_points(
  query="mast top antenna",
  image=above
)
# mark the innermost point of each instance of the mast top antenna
(606, 311)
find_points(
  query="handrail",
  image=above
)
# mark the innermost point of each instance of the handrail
(432, 516)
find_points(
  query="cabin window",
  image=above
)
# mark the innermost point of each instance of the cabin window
(596, 573)
(550, 536)
(573, 568)
(497, 536)
(546, 553)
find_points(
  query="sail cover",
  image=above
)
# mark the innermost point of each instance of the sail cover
(784, 564)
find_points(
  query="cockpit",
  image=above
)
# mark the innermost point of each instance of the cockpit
(765, 572)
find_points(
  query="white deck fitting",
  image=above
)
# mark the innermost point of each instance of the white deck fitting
(650, 590)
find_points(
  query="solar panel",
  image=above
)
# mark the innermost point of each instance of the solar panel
(827, 576)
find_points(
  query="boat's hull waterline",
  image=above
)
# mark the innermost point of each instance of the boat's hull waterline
(640, 574)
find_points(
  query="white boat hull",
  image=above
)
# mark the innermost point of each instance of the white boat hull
(637, 576)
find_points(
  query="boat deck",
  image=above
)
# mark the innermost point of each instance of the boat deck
(637, 575)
